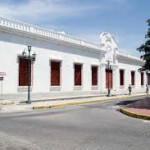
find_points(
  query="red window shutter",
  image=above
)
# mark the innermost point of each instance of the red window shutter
(121, 77)
(132, 78)
(23, 72)
(55, 73)
(77, 75)
(94, 75)
(142, 78)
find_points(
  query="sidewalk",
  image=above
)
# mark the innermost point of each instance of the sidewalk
(16, 106)
(139, 109)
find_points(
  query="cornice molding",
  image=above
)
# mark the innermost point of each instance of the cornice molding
(128, 57)
(18, 27)
(35, 32)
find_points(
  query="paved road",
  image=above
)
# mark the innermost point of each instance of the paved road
(96, 126)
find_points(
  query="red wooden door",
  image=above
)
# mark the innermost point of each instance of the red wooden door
(109, 78)
(23, 72)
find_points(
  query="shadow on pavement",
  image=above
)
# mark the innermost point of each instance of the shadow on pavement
(126, 102)
(143, 103)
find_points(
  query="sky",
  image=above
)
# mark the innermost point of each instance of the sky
(86, 19)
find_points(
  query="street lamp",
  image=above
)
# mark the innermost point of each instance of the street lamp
(108, 69)
(30, 59)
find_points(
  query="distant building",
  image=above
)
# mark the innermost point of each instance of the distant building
(64, 64)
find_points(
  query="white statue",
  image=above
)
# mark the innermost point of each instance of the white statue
(108, 43)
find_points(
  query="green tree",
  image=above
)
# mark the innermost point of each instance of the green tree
(145, 48)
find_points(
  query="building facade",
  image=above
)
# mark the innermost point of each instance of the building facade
(64, 64)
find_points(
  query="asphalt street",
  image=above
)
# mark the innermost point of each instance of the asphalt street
(97, 126)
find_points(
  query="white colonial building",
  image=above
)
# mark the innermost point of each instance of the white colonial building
(64, 64)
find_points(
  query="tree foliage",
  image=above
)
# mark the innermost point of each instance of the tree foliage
(145, 48)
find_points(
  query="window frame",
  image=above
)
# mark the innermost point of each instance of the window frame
(133, 81)
(122, 82)
(97, 79)
(142, 78)
(31, 63)
(81, 78)
(60, 72)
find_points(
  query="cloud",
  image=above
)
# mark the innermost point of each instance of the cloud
(129, 42)
(35, 8)
(52, 9)
(32, 8)
(46, 12)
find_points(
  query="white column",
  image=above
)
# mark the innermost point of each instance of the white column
(127, 78)
(116, 78)
(137, 80)
(99, 78)
(102, 78)
(124, 81)
(145, 78)
(41, 73)
(145, 82)
(86, 77)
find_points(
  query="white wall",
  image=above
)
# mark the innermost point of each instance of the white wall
(12, 45)
(129, 66)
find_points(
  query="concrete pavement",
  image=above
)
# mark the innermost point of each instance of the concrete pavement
(14, 106)
(97, 126)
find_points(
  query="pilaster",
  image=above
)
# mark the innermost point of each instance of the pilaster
(116, 79)
(102, 80)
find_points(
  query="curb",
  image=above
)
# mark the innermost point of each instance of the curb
(6, 103)
(65, 98)
(72, 98)
(79, 103)
(131, 114)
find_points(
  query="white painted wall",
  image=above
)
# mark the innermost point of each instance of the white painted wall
(128, 67)
(12, 45)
